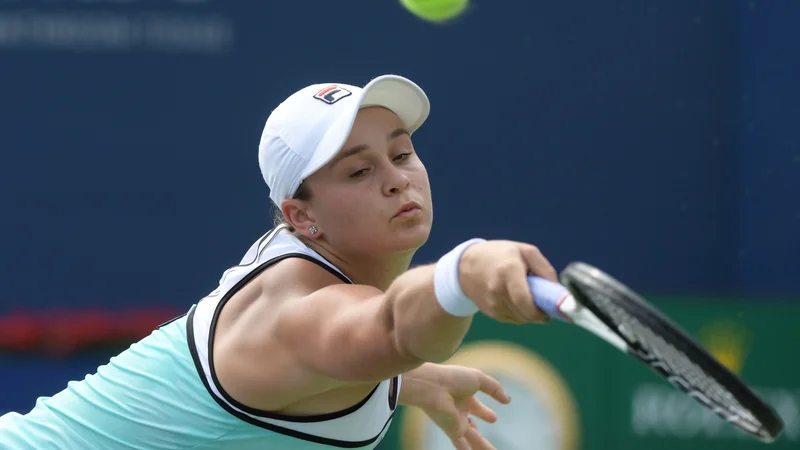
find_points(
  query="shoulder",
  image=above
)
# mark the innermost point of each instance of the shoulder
(298, 276)
(252, 312)
(297, 281)
(256, 341)
(300, 289)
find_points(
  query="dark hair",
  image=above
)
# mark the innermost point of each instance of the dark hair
(302, 193)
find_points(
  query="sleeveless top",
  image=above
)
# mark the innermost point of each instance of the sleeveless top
(162, 392)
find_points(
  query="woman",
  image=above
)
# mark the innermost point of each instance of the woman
(303, 344)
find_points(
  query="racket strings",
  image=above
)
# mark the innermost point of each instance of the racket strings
(674, 364)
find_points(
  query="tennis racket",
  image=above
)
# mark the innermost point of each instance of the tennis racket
(593, 300)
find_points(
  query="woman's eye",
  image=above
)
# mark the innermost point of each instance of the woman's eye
(402, 156)
(358, 173)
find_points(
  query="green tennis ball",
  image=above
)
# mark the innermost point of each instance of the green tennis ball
(436, 10)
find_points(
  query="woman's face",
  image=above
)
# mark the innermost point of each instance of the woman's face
(374, 197)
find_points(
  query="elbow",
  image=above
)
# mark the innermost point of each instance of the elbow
(402, 341)
(440, 353)
(407, 352)
(417, 352)
(414, 346)
(421, 341)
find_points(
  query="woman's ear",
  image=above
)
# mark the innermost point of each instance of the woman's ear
(299, 215)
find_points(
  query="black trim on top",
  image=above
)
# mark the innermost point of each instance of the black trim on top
(267, 426)
(255, 411)
(267, 414)
(394, 394)
(270, 235)
(170, 321)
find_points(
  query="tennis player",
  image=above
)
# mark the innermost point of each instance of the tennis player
(307, 342)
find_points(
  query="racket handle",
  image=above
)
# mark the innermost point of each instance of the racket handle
(548, 295)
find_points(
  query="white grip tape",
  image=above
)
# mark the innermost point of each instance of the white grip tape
(446, 284)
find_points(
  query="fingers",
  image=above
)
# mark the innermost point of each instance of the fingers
(460, 436)
(476, 439)
(491, 386)
(537, 263)
(520, 296)
(481, 411)
(472, 440)
(462, 443)
(495, 275)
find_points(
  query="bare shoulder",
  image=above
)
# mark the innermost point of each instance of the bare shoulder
(262, 327)
(298, 284)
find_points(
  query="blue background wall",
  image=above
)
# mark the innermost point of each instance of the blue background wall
(655, 139)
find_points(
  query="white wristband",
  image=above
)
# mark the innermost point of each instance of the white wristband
(447, 286)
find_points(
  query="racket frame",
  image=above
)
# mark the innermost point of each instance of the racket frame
(581, 310)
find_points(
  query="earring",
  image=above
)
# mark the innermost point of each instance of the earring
(312, 229)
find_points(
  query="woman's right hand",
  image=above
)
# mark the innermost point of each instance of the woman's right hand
(494, 274)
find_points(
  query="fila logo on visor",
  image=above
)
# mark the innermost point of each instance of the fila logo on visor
(332, 94)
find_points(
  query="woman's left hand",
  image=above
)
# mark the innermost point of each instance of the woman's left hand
(446, 393)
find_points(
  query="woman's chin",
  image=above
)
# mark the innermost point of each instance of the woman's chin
(411, 238)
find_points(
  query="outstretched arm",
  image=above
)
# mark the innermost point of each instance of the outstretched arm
(358, 334)
(341, 334)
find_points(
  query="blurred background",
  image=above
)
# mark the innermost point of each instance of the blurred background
(657, 140)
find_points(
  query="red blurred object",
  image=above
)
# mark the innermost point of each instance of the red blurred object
(65, 332)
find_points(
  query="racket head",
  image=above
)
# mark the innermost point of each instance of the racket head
(671, 352)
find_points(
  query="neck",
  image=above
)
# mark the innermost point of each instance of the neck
(379, 272)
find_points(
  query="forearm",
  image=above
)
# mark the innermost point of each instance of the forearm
(423, 329)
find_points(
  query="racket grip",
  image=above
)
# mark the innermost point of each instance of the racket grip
(548, 295)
